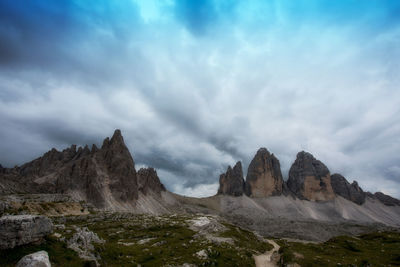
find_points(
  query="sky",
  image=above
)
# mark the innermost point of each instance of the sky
(195, 86)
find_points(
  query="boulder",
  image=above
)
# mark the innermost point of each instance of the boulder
(82, 242)
(232, 182)
(264, 177)
(16, 230)
(310, 179)
(37, 259)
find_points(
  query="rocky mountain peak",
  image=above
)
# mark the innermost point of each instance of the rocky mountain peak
(148, 181)
(102, 176)
(232, 182)
(94, 149)
(310, 179)
(343, 188)
(264, 177)
(117, 137)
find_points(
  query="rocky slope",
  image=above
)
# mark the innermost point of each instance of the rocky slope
(386, 199)
(105, 177)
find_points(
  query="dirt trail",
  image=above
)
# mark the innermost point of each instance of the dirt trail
(266, 260)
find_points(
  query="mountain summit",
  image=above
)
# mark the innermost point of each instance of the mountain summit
(105, 177)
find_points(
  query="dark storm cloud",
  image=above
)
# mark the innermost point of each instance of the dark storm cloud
(66, 37)
(179, 166)
(197, 85)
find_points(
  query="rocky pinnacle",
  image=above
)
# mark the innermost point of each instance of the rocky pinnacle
(231, 182)
(264, 177)
(310, 179)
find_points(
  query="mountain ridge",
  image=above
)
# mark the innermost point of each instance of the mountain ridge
(106, 178)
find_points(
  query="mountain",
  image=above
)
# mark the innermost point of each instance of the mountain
(310, 205)
(310, 179)
(105, 177)
(264, 177)
(231, 182)
(343, 188)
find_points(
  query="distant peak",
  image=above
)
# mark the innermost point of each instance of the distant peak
(262, 150)
(238, 165)
(117, 137)
(117, 132)
(94, 148)
(304, 154)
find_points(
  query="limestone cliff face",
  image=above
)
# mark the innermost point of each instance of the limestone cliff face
(148, 181)
(349, 191)
(232, 182)
(310, 179)
(264, 177)
(104, 177)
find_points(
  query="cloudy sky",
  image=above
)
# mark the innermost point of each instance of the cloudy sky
(197, 85)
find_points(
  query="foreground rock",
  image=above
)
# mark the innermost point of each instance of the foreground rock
(23, 229)
(264, 177)
(82, 242)
(310, 179)
(232, 182)
(37, 259)
(349, 191)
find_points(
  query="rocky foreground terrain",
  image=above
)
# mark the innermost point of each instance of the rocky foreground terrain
(90, 207)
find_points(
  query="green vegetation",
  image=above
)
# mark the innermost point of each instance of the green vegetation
(145, 240)
(59, 254)
(168, 240)
(374, 249)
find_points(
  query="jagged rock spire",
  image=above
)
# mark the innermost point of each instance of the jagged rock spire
(264, 177)
(346, 190)
(148, 181)
(232, 182)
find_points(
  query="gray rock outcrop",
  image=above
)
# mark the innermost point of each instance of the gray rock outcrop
(37, 259)
(349, 191)
(19, 230)
(82, 242)
(386, 199)
(232, 182)
(148, 181)
(264, 177)
(310, 179)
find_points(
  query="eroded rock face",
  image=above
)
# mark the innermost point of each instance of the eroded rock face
(37, 259)
(98, 176)
(148, 181)
(349, 191)
(264, 177)
(310, 179)
(232, 182)
(16, 230)
(386, 199)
